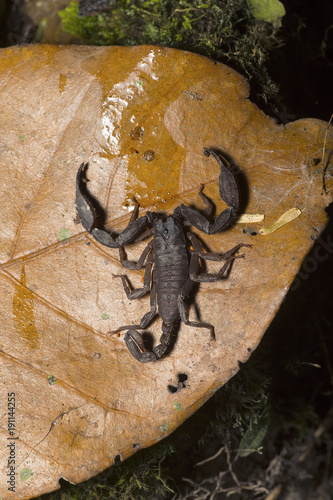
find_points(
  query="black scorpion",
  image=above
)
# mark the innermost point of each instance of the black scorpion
(172, 257)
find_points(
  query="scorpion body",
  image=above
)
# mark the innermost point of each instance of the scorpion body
(169, 277)
(172, 265)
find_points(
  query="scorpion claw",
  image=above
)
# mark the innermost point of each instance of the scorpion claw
(84, 207)
(229, 193)
(104, 237)
(87, 212)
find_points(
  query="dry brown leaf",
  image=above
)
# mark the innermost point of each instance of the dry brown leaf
(81, 398)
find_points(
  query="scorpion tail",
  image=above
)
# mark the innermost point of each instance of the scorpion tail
(135, 344)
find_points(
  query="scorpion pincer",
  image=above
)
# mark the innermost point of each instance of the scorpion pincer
(171, 258)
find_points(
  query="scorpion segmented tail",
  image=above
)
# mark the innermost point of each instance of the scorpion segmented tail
(135, 344)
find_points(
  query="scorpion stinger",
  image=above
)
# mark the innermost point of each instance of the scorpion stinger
(135, 344)
(174, 255)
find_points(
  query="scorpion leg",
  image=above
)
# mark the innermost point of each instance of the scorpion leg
(130, 264)
(197, 248)
(228, 256)
(89, 217)
(184, 308)
(136, 293)
(135, 340)
(228, 192)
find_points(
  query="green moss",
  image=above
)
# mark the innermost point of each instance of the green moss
(139, 477)
(225, 30)
(267, 10)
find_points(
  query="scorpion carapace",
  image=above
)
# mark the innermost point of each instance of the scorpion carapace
(171, 258)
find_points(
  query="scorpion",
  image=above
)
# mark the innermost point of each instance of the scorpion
(171, 258)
